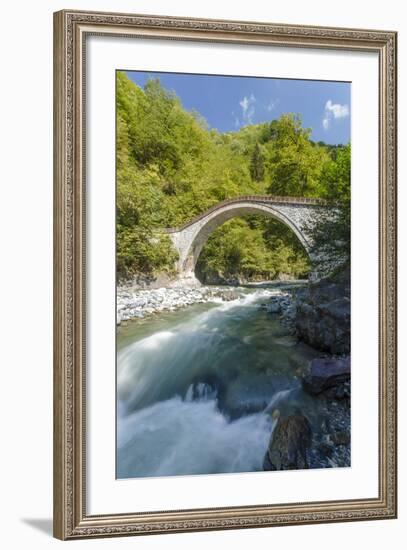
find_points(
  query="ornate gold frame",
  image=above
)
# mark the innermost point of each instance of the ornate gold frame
(70, 518)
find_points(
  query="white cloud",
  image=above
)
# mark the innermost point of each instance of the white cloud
(273, 104)
(248, 108)
(244, 104)
(236, 120)
(333, 111)
(338, 110)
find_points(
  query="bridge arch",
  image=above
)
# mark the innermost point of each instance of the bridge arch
(218, 218)
(192, 236)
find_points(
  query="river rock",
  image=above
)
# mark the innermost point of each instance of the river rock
(341, 437)
(227, 295)
(274, 307)
(289, 443)
(327, 374)
(323, 314)
(133, 303)
(279, 302)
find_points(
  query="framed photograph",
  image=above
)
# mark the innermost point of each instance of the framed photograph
(225, 274)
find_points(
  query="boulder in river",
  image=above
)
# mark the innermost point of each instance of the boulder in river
(289, 443)
(327, 374)
(323, 314)
(274, 307)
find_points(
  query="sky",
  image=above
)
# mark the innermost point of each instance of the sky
(230, 102)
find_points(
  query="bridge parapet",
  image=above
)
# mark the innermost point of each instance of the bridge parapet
(269, 199)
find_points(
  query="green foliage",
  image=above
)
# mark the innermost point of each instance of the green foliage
(331, 235)
(257, 163)
(294, 163)
(253, 248)
(139, 249)
(335, 177)
(171, 167)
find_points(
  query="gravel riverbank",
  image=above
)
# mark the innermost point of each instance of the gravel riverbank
(142, 303)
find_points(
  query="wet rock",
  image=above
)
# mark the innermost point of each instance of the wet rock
(274, 307)
(280, 303)
(341, 438)
(325, 425)
(326, 446)
(340, 391)
(289, 443)
(227, 295)
(327, 374)
(323, 314)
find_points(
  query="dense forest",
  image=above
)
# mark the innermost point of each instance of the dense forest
(171, 167)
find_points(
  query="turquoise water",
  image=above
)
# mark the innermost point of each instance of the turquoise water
(195, 388)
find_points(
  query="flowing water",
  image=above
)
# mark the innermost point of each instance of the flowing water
(196, 388)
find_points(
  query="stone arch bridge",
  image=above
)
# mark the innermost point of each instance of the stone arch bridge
(296, 213)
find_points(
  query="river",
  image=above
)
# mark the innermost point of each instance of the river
(196, 388)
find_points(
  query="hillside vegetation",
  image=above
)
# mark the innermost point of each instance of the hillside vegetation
(171, 167)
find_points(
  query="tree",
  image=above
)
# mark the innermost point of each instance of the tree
(294, 164)
(331, 234)
(257, 163)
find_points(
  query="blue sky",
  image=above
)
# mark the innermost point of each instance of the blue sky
(231, 102)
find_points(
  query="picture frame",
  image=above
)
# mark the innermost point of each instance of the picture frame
(72, 30)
